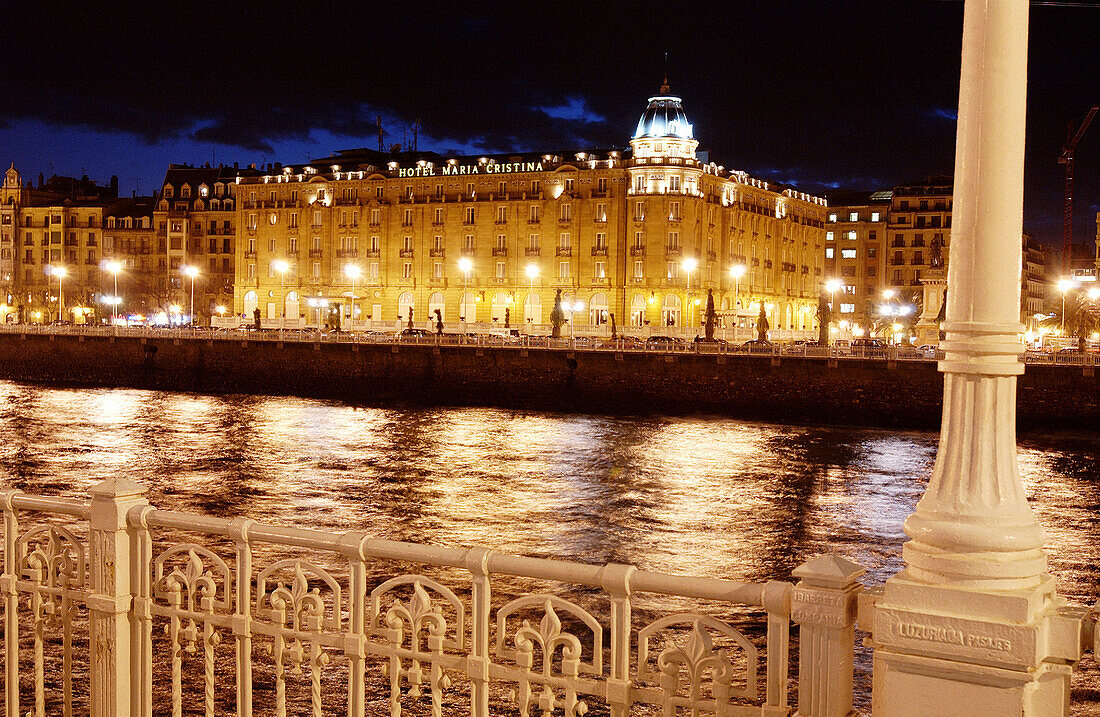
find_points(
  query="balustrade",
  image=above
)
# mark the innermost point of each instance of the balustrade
(231, 616)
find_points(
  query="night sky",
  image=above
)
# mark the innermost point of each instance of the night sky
(818, 94)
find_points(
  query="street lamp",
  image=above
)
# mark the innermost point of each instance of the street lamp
(352, 272)
(689, 265)
(736, 271)
(889, 294)
(192, 272)
(464, 265)
(1094, 294)
(281, 266)
(60, 272)
(1064, 285)
(114, 267)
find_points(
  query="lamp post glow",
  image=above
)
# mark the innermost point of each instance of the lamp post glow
(736, 271)
(192, 272)
(352, 272)
(464, 265)
(1064, 285)
(532, 270)
(281, 266)
(689, 265)
(114, 267)
(59, 272)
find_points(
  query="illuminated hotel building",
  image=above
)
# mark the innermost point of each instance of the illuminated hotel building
(641, 234)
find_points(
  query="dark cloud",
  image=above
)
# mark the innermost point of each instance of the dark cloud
(841, 91)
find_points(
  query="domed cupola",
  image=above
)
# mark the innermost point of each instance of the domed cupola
(664, 130)
(664, 117)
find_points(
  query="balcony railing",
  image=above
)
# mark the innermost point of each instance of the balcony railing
(316, 253)
(500, 251)
(599, 251)
(347, 253)
(563, 251)
(406, 253)
(531, 251)
(637, 251)
(440, 253)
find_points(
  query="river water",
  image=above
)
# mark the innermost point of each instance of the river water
(702, 496)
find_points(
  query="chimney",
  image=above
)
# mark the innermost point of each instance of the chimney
(114, 185)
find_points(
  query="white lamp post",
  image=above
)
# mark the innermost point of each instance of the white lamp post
(1065, 285)
(532, 271)
(464, 265)
(352, 272)
(736, 271)
(192, 272)
(114, 267)
(281, 266)
(689, 265)
(60, 272)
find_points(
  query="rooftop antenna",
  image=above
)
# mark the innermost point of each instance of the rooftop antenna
(378, 120)
(664, 85)
(416, 133)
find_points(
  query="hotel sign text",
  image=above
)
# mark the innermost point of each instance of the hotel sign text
(447, 170)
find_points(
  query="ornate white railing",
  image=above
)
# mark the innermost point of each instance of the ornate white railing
(166, 609)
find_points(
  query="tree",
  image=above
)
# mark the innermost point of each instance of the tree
(438, 322)
(612, 315)
(1082, 318)
(410, 317)
(256, 317)
(824, 316)
(711, 316)
(557, 316)
(507, 317)
(762, 324)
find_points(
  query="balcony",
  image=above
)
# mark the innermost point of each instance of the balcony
(637, 251)
(500, 251)
(599, 251)
(347, 253)
(468, 251)
(531, 251)
(535, 220)
(563, 251)
(250, 255)
(436, 253)
(672, 251)
(712, 256)
(316, 253)
(406, 254)
(373, 253)
(292, 252)
(767, 263)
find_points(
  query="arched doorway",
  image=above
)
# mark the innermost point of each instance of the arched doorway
(406, 306)
(532, 309)
(597, 309)
(435, 301)
(670, 310)
(637, 310)
(502, 304)
(291, 306)
(250, 304)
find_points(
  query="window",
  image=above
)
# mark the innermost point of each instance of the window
(374, 217)
(407, 270)
(438, 216)
(439, 190)
(828, 236)
(316, 246)
(408, 244)
(851, 236)
(639, 211)
(469, 215)
(502, 188)
(847, 271)
(674, 211)
(294, 220)
(566, 212)
(847, 253)
(601, 212)
(601, 184)
(500, 269)
(639, 239)
(316, 270)
(533, 217)
(437, 243)
(437, 270)
(251, 271)
(598, 270)
(829, 252)
(293, 245)
(639, 269)
(898, 277)
(251, 223)
(674, 240)
(317, 218)
(832, 217)
(468, 243)
(853, 216)
(408, 218)
(674, 270)
(408, 191)
(674, 184)
(569, 184)
(534, 186)
(871, 270)
(372, 271)
(470, 189)
(874, 216)
(847, 308)
(563, 270)
(502, 214)
(564, 240)
(271, 245)
(601, 240)
(533, 241)
(639, 183)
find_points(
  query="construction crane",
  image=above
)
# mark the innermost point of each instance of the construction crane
(1066, 158)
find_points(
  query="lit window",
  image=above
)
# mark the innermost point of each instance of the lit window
(563, 270)
(853, 217)
(500, 269)
(828, 252)
(852, 236)
(832, 217)
(846, 253)
(599, 271)
(847, 308)
(874, 216)
(639, 269)
(828, 236)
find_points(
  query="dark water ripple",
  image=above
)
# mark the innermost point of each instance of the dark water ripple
(703, 496)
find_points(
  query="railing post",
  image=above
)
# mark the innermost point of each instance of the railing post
(823, 603)
(111, 597)
(11, 605)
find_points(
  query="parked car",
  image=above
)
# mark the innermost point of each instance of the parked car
(800, 346)
(668, 343)
(408, 333)
(623, 342)
(868, 347)
(758, 346)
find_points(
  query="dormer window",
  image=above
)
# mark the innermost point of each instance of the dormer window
(219, 189)
(658, 146)
(203, 190)
(185, 191)
(168, 191)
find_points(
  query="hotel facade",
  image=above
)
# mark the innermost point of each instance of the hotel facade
(638, 237)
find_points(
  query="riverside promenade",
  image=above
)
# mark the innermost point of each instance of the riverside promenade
(887, 388)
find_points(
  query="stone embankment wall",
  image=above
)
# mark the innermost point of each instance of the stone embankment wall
(867, 392)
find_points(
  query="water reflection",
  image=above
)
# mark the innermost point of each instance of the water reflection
(708, 496)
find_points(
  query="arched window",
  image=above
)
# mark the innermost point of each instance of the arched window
(467, 308)
(598, 309)
(249, 304)
(670, 310)
(406, 306)
(637, 310)
(291, 307)
(435, 301)
(502, 304)
(532, 309)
